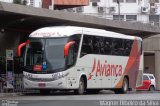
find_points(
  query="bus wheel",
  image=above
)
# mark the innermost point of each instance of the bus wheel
(81, 87)
(124, 88)
(92, 91)
(44, 92)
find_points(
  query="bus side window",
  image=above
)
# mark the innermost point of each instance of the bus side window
(107, 46)
(76, 39)
(128, 46)
(96, 45)
(101, 43)
(115, 46)
(87, 46)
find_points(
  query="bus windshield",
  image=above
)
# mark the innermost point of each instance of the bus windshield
(49, 51)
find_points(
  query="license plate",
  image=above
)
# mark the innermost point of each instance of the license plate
(42, 85)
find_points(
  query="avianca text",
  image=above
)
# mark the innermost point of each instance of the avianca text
(105, 69)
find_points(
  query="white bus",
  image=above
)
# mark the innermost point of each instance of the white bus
(85, 60)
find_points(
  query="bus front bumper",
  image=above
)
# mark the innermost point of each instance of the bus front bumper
(57, 84)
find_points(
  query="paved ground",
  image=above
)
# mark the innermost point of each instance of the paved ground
(101, 99)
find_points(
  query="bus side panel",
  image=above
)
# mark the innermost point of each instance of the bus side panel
(86, 65)
(102, 71)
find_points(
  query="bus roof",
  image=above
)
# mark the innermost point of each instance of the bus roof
(63, 31)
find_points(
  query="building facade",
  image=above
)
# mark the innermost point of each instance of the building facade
(152, 57)
(54, 4)
(34, 3)
(145, 11)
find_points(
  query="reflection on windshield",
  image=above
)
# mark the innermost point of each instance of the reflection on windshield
(35, 52)
(54, 50)
(50, 51)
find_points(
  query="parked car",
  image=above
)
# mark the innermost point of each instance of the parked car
(149, 83)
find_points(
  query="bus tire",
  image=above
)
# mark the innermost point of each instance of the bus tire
(92, 91)
(44, 92)
(124, 88)
(81, 88)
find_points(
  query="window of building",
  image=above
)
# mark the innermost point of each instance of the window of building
(32, 2)
(116, 17)
(121, 1)
(131, 17)
(131, 1)
(80, 9)
(94, 4)
(154, 19)
(154, 1)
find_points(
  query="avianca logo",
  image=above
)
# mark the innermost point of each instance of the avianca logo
(105, 69)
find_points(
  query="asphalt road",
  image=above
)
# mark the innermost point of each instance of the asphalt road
(69, 99)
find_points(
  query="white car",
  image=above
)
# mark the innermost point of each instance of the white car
(149, 82)
(153, 80)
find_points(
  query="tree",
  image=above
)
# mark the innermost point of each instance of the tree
(22, 2)
(17, 1)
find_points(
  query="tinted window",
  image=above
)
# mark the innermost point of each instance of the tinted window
(127, 47)
(105, 46)
(35, 52)
(73, 51)
(108, 45)
(77, 39)
(145, 77)
(118, 47)
(151, 77)
(87, 45)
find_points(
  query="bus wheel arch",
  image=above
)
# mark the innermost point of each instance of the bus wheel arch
(125, 86)
(127, 77)
(82, 85)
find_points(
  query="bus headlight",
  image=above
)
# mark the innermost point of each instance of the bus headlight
(59, 75)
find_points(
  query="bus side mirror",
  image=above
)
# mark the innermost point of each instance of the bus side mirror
(67, 47)
(20, 47)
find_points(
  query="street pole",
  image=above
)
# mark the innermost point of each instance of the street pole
(119, 18)
(53, 4)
